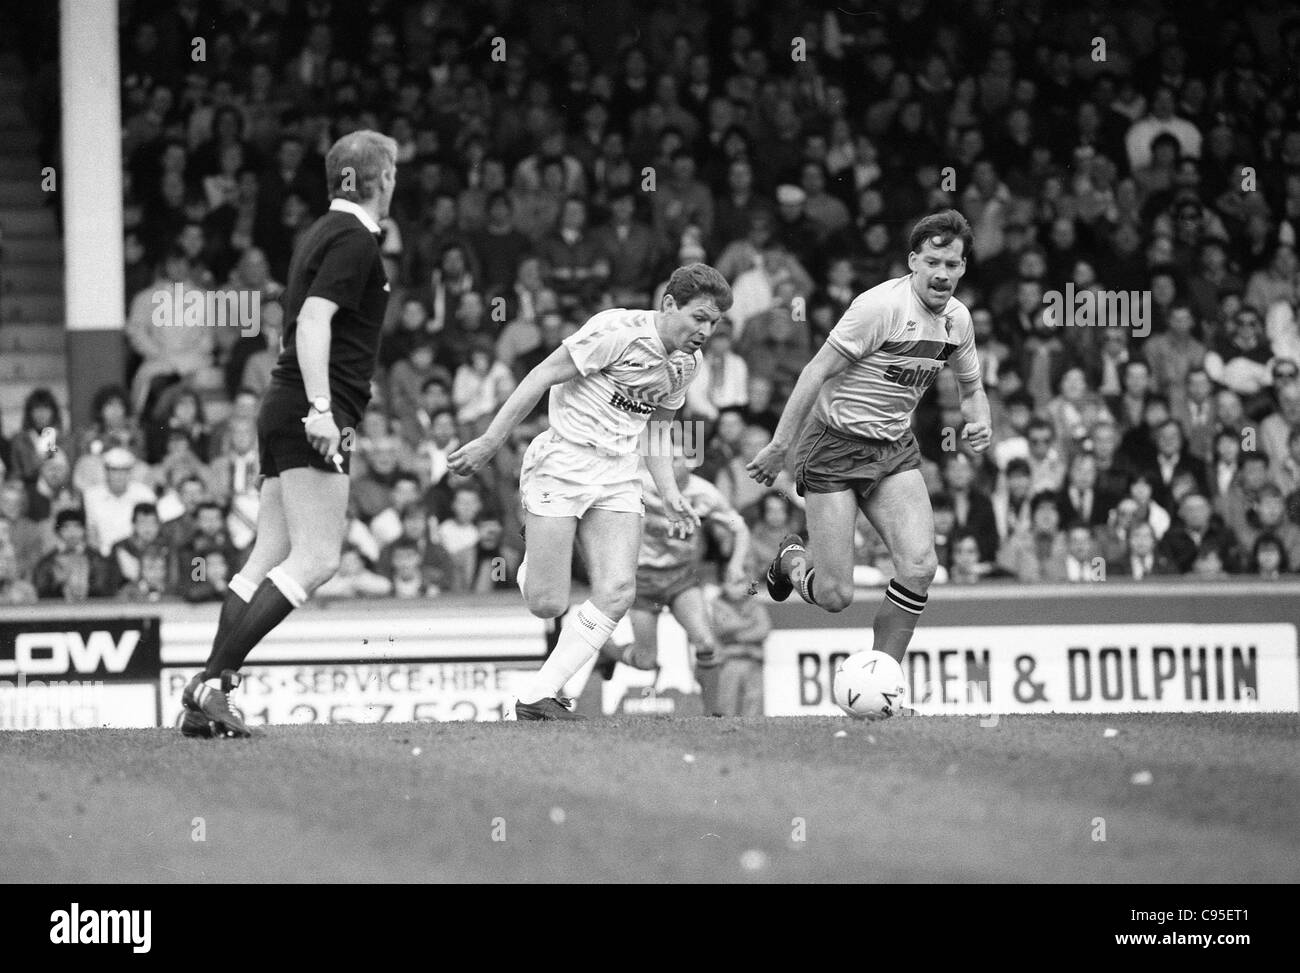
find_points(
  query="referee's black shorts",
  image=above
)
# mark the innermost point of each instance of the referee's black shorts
(282, 437)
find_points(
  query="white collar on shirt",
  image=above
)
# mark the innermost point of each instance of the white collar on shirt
(347, 206)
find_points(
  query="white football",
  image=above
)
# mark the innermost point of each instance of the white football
(869, 686)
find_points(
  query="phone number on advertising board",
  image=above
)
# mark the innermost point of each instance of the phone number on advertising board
(369, 693)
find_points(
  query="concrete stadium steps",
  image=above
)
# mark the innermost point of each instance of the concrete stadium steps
(43, 278)
(21, 251)
(28, 305)
(32, 310)
(20, 222)
(19, 191)
(46, 337)
(32, 366)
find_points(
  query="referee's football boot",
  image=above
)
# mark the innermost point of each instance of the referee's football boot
(550, 708)
(207, 710)
(779, 585)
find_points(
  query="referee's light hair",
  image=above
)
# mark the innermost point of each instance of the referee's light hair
(940, 229)
(356, 162)
(695, 280)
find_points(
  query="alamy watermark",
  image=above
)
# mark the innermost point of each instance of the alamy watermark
(672, 437)
(1088, 308)
(196, 307)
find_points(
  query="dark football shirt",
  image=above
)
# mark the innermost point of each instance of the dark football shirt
(338, 259)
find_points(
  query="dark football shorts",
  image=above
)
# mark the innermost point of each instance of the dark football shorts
(658, 588)
(282, 437)
(830, 461)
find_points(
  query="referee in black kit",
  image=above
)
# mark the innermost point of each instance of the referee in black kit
(334, 307)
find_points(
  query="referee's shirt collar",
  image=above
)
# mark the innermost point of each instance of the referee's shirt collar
(347, 206)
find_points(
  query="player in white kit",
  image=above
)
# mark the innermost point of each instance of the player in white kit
(857, 452)
(580, 479)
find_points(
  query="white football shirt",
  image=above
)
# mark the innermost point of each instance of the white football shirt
(626, 374)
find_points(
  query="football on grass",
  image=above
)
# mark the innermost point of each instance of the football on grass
(870, 686)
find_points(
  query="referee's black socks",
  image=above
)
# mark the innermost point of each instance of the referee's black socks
(275, 597)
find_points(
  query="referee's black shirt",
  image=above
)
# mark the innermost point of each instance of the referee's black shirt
(338, 259)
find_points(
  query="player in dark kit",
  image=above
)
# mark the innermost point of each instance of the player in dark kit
(333, 310)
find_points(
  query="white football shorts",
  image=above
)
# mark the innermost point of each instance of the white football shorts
(562, 479)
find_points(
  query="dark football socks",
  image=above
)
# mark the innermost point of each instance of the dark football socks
(896, 620)
(274, 599)
(238, 594)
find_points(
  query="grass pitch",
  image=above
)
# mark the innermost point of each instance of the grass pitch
(920, 799)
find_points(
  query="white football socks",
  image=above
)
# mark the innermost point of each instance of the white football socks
(585, 630)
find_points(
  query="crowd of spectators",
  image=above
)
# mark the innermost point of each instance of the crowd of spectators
(559, 158)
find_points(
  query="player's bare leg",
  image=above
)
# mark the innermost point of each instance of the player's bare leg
(609, 540)
(314, 504)
(899, 508)
(546, 574)
(689, 610)
(270, 547)
(822, 572)
(642, 652)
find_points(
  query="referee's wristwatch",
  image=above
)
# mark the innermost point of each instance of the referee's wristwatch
(320, 404)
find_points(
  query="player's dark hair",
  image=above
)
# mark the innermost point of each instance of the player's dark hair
(1253, 456)
(1019, 467)
(695, 280)
(940, 229)
(143, 510)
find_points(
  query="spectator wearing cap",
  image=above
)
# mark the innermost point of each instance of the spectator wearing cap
(109, 506)
(722, 380)
(73, 570)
